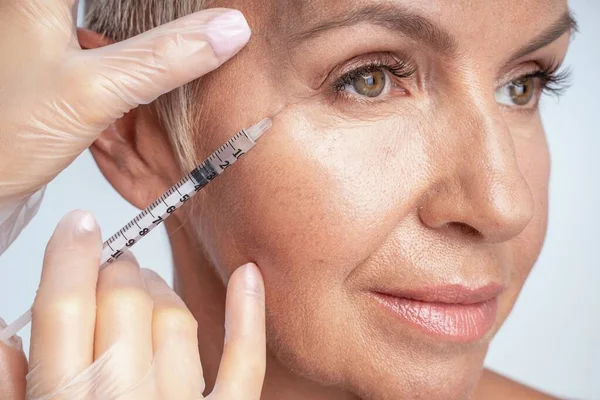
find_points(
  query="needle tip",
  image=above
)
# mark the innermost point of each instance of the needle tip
(256, 131)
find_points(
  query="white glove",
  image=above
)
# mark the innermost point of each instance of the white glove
(123, 334)
(15, 215)
(56, 98)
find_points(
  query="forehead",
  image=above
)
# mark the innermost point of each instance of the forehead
(464, 19)
(304, 11)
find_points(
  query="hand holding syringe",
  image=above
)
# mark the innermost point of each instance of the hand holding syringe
(170, 201)
(58, 102)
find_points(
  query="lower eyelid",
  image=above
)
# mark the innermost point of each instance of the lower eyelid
(392, 81)
(532, 106)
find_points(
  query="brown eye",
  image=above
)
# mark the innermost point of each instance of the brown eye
(521, 91)
(518, 93)
(370, 84)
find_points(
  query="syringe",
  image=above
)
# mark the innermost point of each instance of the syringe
(164, 206)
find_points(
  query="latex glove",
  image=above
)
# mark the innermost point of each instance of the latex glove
(56, 99)
(13, 367)
(124, 334)
(15, 215)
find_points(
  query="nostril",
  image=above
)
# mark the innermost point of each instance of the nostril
(464, 229)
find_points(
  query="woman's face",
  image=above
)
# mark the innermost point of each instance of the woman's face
(399, 202)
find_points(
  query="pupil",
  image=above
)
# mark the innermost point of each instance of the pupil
(521, 91)
(370, 84)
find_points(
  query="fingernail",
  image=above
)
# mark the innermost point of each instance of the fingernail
(77, 223)
(14, 341)
(252, 281)
(228, 33)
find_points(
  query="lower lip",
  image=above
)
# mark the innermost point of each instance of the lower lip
(454, 322)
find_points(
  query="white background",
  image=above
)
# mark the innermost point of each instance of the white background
(551, 340)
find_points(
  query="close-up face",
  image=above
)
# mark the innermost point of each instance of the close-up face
(399, 202)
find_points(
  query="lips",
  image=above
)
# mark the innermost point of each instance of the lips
(451, 312)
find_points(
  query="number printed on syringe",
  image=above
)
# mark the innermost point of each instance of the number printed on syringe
(184, 190)
(164, 206)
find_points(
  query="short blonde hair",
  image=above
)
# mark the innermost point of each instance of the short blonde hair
(121, 19)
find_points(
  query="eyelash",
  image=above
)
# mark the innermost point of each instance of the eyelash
(395, 65)
(551, 81)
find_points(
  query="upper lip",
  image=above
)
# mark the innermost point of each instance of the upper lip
(449, 294)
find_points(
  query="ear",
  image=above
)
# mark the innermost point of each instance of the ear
(91, 40)
(133, 153)
(121, 160)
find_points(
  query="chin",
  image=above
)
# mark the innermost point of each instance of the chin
(416, 372)
(359, 360)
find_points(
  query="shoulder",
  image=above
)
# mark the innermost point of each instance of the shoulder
(493, 386)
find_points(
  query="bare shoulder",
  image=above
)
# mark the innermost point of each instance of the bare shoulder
(493, 386)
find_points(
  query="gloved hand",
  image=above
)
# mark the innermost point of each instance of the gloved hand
(56, 99)
(13, 368)
(124, 334)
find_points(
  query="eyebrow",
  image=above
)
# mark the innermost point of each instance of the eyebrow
(395, 18)
(564, 24)
(399, 19)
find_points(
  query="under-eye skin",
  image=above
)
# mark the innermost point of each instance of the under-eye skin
(373, 78)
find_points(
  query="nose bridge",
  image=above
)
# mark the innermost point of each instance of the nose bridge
(481, 185)
(484, 139)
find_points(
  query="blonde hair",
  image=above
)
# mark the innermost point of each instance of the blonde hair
(121, 19)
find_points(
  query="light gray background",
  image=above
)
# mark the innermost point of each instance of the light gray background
(552, 338)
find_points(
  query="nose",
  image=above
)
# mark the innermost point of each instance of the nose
(478, 188)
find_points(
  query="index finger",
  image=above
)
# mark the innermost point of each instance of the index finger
(64, 310)
(138, 70)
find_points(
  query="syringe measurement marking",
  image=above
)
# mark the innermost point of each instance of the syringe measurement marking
(199, 178)
(227, 154)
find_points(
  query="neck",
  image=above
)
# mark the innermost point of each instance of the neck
(203, 291)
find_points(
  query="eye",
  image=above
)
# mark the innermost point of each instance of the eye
(369, 84)
(519, 92)
(374, 78)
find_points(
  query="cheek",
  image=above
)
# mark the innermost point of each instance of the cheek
(534, 162)
(533, 159)
(309, 204)
(310, 201)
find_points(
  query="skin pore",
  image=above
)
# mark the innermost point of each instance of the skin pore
(409, 155)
